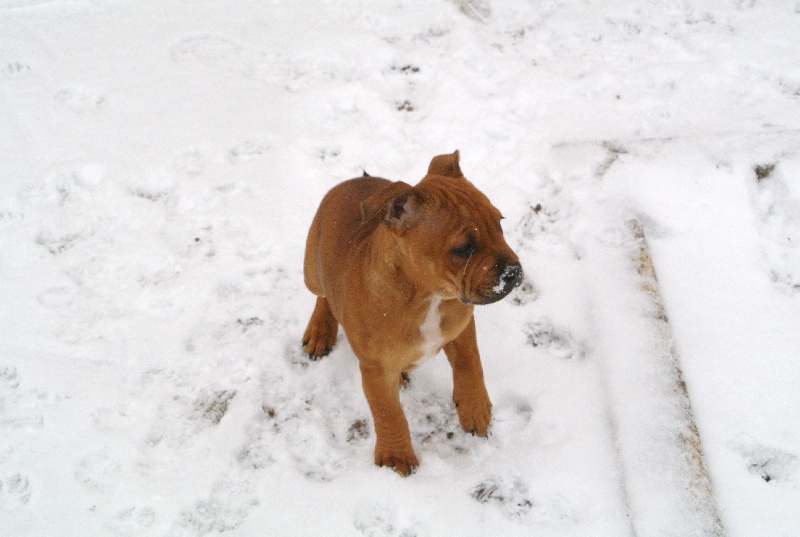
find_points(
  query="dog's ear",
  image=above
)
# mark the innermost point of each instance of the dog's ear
(446, 165)
(404, 211)
(399, 203)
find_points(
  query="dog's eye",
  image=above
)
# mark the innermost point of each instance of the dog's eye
(465, 250)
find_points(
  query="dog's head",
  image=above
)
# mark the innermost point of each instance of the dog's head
(450, 233)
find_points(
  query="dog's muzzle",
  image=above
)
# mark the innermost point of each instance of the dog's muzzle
(497, 288)
(510, 278)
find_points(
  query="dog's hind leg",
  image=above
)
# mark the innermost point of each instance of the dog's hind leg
(320, 336)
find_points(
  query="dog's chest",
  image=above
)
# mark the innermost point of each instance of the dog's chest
(431, 330)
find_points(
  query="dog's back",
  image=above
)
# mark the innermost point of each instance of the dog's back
(338, 226)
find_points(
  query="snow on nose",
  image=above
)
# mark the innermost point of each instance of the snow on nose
(510, 278)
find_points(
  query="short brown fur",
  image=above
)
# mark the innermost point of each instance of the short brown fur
(400, 268)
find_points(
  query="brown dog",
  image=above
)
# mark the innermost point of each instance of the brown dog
(400, 268)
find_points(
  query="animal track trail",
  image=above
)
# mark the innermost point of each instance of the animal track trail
(15, 492)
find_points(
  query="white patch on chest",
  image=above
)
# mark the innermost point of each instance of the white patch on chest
(431, 330)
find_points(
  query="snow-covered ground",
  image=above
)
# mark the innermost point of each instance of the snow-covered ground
(161, 163)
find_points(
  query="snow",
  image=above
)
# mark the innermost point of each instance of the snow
(162, 162)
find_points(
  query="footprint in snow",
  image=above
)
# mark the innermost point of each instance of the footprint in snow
(477, 10)
(257, 451)
(190, 162)
(373, 520)
(316, 417)
(10, 213)
(316, 451)
(558, 342)
(509, 495)
(131, 521)
(434, 425)
(57, 242)
(771, 464)
(57, 297)
(20, 409)
(222, 53)
(99, 471)
(524, 294)
(250, 327)
(226, 508)
(15, 492)
(183, 416)
(512, 497)
(510, 416)
(8, 376)
(81, 100)
(250, 149)
(211, 406)
(776, 203)
(16, 69)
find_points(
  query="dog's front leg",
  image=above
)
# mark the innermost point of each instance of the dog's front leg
(469, 391)
(393, 444)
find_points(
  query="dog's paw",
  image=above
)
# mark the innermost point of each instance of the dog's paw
(319, 339)
(474, 408)
(402, 461)
(320, 336)
(475, 414)
(317, 348)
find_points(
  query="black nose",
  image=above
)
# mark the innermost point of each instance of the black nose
(512, 274)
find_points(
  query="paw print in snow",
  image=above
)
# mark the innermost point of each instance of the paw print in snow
(15, 492)
(16, 69)
(8, 376)
(133, 521)
(99, 471)
(771, 464)
(226, 508)
(379, 521)
(81, 100)
(250, 149)
(508, 495)
(543, 334)
(524, 294)
(776, 202)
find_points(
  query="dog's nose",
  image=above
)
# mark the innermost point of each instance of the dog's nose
(512, 274)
